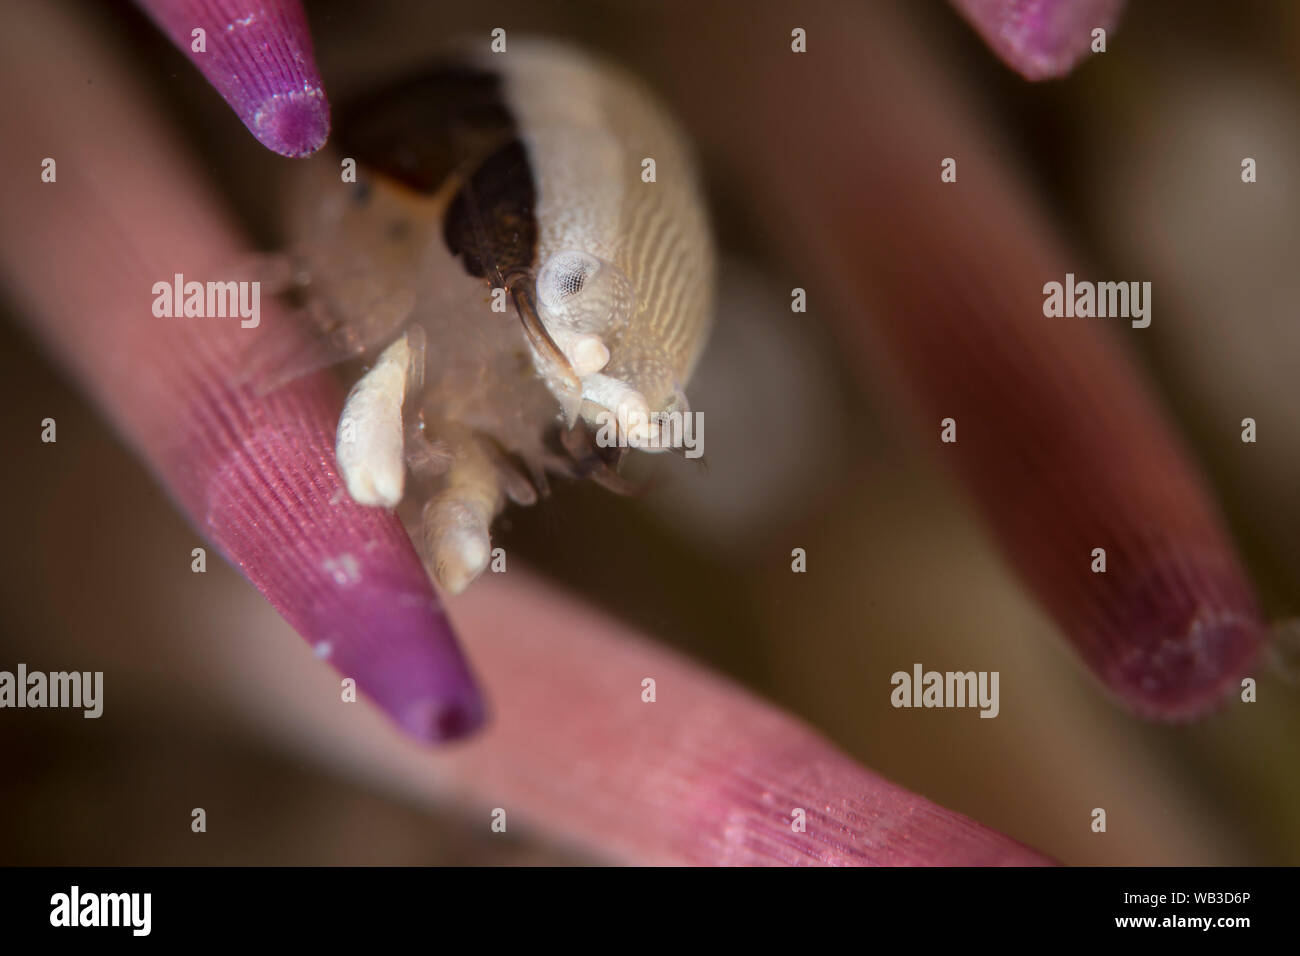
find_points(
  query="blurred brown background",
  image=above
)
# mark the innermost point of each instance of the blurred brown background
(204, 685)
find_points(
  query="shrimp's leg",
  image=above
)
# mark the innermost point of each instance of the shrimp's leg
(369, 443)
(458, 516)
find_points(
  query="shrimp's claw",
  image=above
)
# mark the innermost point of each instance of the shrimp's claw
(369, 444)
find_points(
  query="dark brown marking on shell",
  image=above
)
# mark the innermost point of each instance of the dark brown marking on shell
(492, 221)
(453, 122)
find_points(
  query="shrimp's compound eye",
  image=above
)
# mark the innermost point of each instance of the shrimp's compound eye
(579, 292)
(564, 276)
